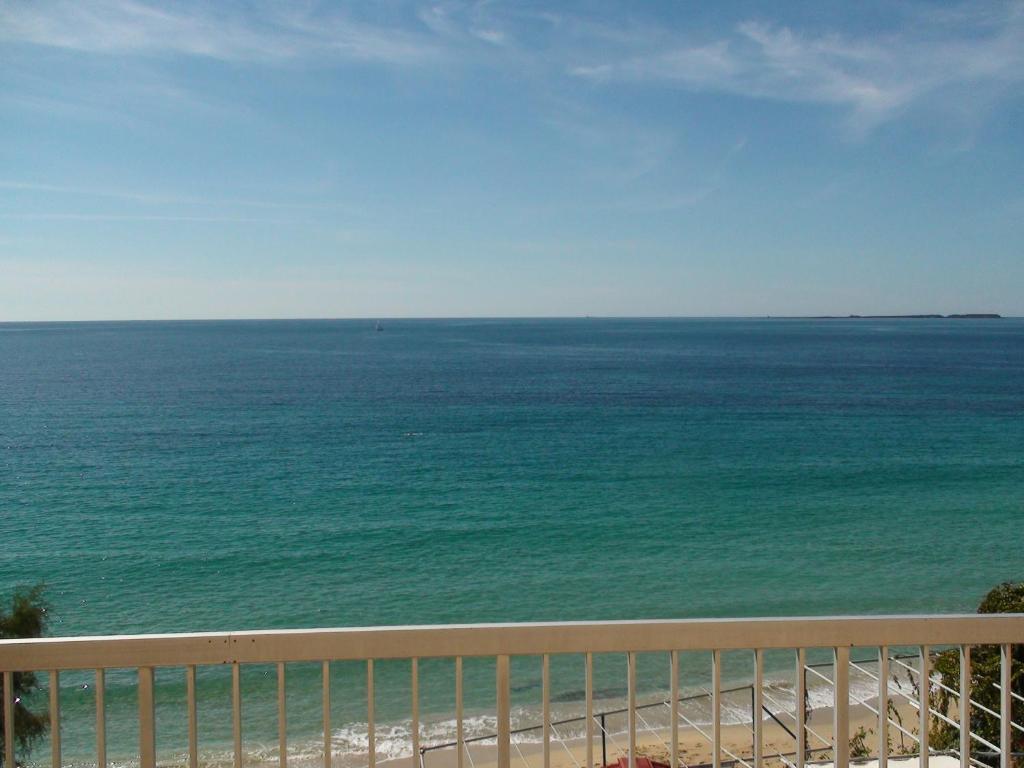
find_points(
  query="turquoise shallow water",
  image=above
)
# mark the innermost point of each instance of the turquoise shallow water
(227, 475)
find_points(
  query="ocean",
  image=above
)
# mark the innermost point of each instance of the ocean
(191, 476)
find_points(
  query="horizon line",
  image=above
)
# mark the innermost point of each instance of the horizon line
(381, 318)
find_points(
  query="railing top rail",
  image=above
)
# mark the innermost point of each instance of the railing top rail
(506, 639)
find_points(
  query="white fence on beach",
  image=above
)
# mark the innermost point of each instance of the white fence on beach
(501, 642)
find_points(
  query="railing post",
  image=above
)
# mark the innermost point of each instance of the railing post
(883, 706)
(841, 708)
(236, 711)
(415, 725)
(631, 706)
(758, 693)
(9, 719)
(925, 689)
(801, 713)
(589, 695)
(965, 706)
(504, 712)
(674, 688)
(546, 707)
(147, 718)
(460, 739)
(282, 717)
(55, 719)
(1005, 706)
(193, 724)
(716, 709)
(371, 732)
(101, 719)
(326, 712)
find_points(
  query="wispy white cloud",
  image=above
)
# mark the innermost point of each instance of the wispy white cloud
(466, 28)
(272, 32)
(873, 77)
(962, 59)
(494, 36)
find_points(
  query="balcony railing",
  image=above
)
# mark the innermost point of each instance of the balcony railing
(146, 653)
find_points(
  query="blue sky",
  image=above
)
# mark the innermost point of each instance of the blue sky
(299, 159)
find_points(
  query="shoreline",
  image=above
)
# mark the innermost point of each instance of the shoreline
(694, 747)
(568, 744)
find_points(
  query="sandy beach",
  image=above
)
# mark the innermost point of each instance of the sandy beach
(695, 748)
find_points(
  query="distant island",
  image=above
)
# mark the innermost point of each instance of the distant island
(968, 316)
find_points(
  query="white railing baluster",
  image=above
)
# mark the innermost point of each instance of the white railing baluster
(883, 706)
(147, 718)
(757, 704)
(631, 705)
(841, 707)
(1005, 706)
(504, 711)
(716, 709)
(236, 711)
(9, 719)
(282, 716)
(193, 724)
(965, 706)
(673, 665)
(460, 736)
(101, 718)
(545, 685)
(589, 696)
(801, 713)
(371, 715)
(925, 708)
(55, 718)
(415, 724)
(326, 709)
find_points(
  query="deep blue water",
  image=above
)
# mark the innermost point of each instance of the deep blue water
(226, 475)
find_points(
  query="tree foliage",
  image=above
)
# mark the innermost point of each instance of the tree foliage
(27, 618)
(985, 671)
